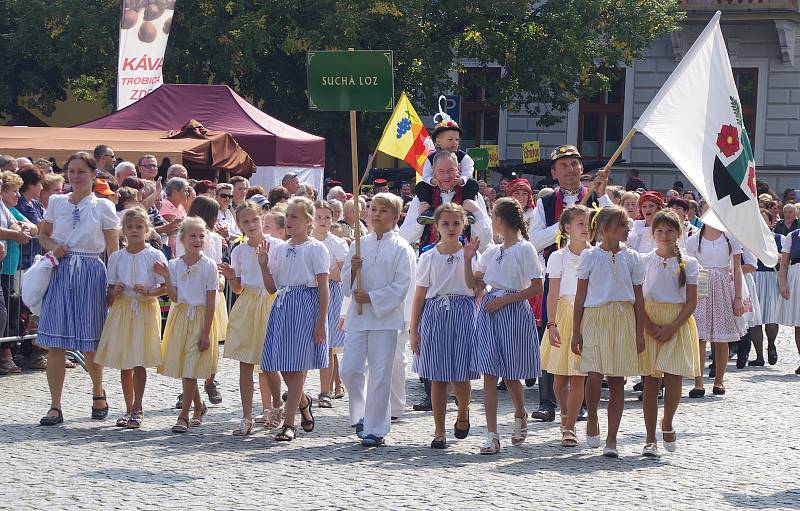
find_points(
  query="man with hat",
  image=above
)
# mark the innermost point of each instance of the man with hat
(380, 185)
(566, 167)
(447, 136)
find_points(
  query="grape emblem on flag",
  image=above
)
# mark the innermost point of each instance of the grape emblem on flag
(404, 126)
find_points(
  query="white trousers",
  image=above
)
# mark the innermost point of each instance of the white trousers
(367, 372)
(397, 398)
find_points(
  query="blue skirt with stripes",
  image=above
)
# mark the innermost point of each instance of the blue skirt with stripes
(506, 343)
(289, 344)
(74, 305)
(335, 336)
(445, 330)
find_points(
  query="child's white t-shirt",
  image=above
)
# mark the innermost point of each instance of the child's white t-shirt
(713, 253)
(510, 269)
(337, 250)
(611, 276)
(442, 274)
(193, 282)
(135, 269)
(213, 247)
(563, 265)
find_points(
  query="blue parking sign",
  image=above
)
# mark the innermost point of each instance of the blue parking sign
(454, 107)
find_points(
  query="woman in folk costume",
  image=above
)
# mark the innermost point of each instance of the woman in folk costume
(641, 236)
(520, 189)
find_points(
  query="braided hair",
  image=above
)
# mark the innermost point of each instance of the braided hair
(670, 218)
(700, 240)
(510, 211)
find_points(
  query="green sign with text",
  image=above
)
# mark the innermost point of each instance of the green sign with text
(480, 155)
(361, 80)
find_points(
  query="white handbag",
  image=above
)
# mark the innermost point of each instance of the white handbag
(36, 279)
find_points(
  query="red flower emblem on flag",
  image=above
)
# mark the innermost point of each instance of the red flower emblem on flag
(751, 178)
(728, 140)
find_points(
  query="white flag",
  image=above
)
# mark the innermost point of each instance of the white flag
(143, 33)
(696, 120)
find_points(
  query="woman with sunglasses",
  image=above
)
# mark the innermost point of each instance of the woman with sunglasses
(226, 219)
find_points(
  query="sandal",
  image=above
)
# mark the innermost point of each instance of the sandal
(100, 413)
(179, 402)
(520, 430)
(568, 438)
(492, 444)
(244, 428)
(275, 418)
(324, 400)
(69, 364)
(181, 428)
(439, 442)
(37, 363)
(8, 366)
(461, 433)
(697, 393)
(212, 390)
(52, 420)
(135, 420)
(197, 420)
(307, 423)
(262, 418)
(122, 422)
(650, 450)
(718, 391)
(669, 446)
(287, 434)
(339, 393)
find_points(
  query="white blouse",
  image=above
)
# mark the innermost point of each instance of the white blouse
(92, 218)
(442, 274)
(641, 238)
(193, 282)
(298, 265)
(611, 276)
(337, 250)
(510, 269)
(563, 265)
(245, 264)
(661, 278)
(226, 218)
(213, 247)
(135, 269)
(713, 253)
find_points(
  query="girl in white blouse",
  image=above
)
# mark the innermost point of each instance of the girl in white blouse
(296, 337)
(76, 228)
(608, 334)
(557, 357)
(187, 350)
(671, 342)
(441, 322)
(506, 344)
(248, 319)
(131, 339)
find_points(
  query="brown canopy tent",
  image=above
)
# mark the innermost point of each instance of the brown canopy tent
(192, 144)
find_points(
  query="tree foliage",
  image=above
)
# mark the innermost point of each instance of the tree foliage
(552, 52)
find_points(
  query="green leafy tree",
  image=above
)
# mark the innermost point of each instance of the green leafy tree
(552, 52)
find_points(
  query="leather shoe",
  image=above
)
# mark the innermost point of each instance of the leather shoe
(424, 405)
(544, 415)
(583, 415)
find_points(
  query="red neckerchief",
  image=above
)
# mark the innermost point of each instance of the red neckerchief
(560, 200)
(436, 199)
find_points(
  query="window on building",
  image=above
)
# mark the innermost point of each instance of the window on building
(480, 110)
(746, 80)
(600, 121)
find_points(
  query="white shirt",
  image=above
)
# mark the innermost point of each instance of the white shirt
(563, 265)
(661, 278)
(786, 246)
(337, 250)
(411, 231)
(641, 237)
(193, 282)
(212, 247)
(543, 236)
(466, 168)
(135, 269)
(245, 265)
(442, 274)
(387, 274)
(298, 265)
(96, 215)
(610, 282)
(226, 218)
(510, 269)
(713, 254)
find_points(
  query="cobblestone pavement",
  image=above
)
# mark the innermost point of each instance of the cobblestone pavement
(739, 451)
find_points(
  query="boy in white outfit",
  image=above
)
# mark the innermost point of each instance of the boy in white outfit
(387, 266)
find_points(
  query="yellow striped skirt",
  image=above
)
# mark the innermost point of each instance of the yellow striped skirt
(609, 340)
(132, 334)
(680, 355)
(561, 360)
(247, 326)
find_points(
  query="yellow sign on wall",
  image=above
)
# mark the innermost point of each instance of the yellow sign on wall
(530, 152)
(494, 155)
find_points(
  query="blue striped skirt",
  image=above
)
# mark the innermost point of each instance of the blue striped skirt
(74, 306)
(289, 343)
(445, 330)
(505, 342)
(335, 336)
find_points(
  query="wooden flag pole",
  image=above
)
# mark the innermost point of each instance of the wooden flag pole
(366, 169)
(356, 194)
(614, 158)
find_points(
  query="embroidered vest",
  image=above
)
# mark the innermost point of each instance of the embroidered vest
(553, 205)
